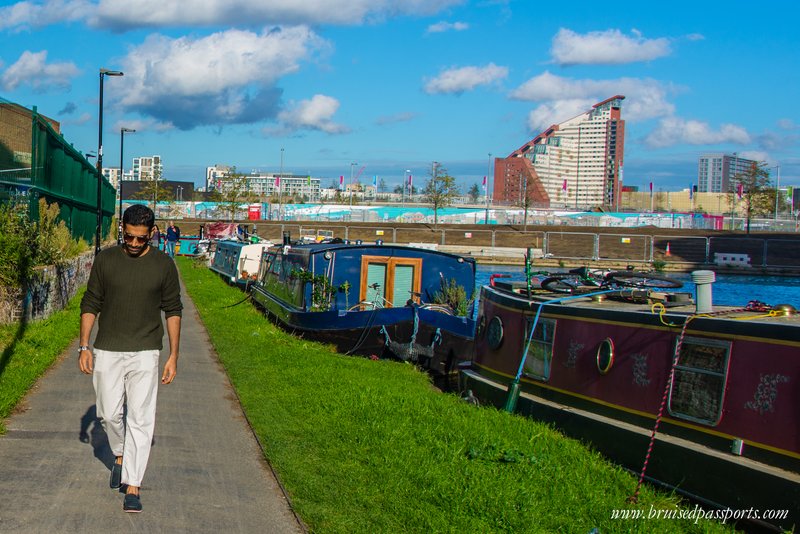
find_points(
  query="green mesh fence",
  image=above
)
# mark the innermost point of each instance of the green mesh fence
(36, 162)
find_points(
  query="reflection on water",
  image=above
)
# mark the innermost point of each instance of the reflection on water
(728, 290)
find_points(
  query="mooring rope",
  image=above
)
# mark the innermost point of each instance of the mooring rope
(661, 310)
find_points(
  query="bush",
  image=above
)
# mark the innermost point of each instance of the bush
(17, 250)
(55, 245)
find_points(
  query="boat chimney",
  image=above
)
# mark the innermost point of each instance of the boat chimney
(703, 281)
(287, 238)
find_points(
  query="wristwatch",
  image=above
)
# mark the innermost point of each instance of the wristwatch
(83, 348)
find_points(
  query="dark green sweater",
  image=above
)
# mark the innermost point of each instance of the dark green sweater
(129, 295)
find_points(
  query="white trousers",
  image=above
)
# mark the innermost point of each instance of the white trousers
(127, 379)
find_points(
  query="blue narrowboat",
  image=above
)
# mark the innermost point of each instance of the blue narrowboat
(372, 299)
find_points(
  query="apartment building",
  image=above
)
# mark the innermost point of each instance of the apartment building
(147, 167)
(577, 163)
(715, 171)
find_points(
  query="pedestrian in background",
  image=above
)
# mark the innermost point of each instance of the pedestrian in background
(173, 237)
(129, 286)
(155, 241)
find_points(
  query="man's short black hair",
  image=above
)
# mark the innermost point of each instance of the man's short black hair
(139, 215)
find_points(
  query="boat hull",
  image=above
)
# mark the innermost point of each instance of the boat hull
(430, 339)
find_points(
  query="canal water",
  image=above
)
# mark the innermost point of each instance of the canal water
(728, 290)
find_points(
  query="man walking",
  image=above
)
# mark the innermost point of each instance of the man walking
(173, 236)
(129, 286)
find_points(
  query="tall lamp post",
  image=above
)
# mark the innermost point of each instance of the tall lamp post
(103, 74)
(777, 190)
(351, 189)
(280, 190)
(488, 170)
(122, 132)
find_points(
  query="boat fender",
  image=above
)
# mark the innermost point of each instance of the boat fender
(493, 276)
(786, 310)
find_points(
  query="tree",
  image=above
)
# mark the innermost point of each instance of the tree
(398, 190)
(753, 189)
(156, 190)
(473, 193)
(440, 190)
(526, 196)
(381, 185)
(235, 191)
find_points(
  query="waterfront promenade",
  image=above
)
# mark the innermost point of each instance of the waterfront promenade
(206, 470)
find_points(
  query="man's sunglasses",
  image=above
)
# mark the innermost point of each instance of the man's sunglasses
(135, 238)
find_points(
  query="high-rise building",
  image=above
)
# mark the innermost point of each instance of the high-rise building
(574, 164)
(714, 171)
(147, 167)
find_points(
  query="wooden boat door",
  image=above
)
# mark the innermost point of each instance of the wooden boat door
(390, 281)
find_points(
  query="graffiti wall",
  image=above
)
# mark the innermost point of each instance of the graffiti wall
(48, 292)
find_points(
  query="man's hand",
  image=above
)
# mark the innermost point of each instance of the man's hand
(85, 361)
(170, 369)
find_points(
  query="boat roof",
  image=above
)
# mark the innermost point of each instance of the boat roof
(316, 248)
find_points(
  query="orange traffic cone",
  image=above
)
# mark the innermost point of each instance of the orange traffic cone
(666, 252)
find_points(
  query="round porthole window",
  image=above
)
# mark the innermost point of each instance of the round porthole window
(605, 356)
(494, 332)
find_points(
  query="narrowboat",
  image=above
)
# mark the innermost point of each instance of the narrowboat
(238, 261)
(376, 300)
(699, 398)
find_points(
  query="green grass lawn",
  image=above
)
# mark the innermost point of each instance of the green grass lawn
(29, 349)
(369, 446)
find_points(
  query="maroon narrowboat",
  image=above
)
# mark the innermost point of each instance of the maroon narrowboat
(720, 387)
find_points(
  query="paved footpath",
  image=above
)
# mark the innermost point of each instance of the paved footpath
(206, 472)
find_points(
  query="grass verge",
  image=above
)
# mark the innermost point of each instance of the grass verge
(29, 349)
(369, 446)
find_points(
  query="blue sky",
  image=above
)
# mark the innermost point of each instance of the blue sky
(396, 84)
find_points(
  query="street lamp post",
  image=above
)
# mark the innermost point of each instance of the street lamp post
(122, 132)
(777, 190)
(351, 188)
(280, 190)
(405, 184)
(488, 175)
(103, 74)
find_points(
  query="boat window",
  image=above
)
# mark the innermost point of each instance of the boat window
(540, 352)
(698, 389)
(403, 284)
(390, 278)
(376, 282)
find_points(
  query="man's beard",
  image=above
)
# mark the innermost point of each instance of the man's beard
(135, 251)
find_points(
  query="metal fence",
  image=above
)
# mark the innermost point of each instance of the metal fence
(37, 162)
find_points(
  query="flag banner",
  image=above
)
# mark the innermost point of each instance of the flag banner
(789, 192)
(309, 179)
(651, 187)
(375, 181)
(484, 182)
(740, 191)
(277, 181)
(409, 179)
(691, 191)
(341, 181)
(564, 186)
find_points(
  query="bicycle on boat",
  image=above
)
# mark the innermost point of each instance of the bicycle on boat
(584, 279)
(379, 302)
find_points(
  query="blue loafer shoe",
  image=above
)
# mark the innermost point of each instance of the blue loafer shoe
(116, 475)
(132, 504)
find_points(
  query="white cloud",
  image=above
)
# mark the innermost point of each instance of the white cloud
(787, 124)
(124, 15)
(144, 125)
(443, 26)
(458, 80)
(226, 77)
(37, 14)
(313, 114)
(608, 47)
(567, 97)
(32, 69)
(674, 130)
